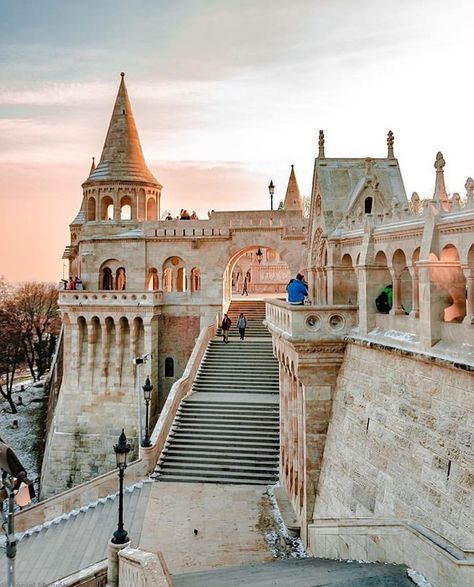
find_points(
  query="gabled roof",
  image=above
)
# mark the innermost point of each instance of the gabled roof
(341, 181)
(122, 155)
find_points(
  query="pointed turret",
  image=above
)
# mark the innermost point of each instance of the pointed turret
(92, 166)
(122, 157)
(293, 200)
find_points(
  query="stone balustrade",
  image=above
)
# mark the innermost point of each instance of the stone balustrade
(110, 298)
(311, 323)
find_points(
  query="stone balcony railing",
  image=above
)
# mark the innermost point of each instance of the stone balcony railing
(110, 298)
(310, 323)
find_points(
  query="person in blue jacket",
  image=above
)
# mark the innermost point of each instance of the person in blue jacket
(297, 291)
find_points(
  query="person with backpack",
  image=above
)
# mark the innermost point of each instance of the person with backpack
(242, 325)
(384, 300)
(297, 291)
(225, 326)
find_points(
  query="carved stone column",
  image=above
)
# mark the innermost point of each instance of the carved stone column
(415, 293)
(469, 275)
(397, 293)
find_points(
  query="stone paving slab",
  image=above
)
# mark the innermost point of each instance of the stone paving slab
(224, 515)
(310, 572)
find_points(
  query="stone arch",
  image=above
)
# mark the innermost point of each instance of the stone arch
(174, 274)
(106, 208)
(345, 282)
(152, 280)
(402, 283)
(450, 281)
(195, 279)
(125, 208)
(382, 274)
(151, 208)
(91, 209)
(107, 272)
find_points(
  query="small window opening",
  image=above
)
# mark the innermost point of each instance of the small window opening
(449, 470)
(169, 367)
(367, 427)
(368, 205)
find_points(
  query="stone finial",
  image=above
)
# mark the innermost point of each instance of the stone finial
(321, 144)
(456, 202)
(440, 194)
(469, 185)
(415, 204)
(92, 165)
(390, 141)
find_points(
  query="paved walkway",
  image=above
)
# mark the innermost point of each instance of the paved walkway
(224, 515)
(310, 572)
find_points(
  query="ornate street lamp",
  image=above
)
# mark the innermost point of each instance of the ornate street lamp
(121, 449)
(271, 191)
(259, 255)
(147, 389)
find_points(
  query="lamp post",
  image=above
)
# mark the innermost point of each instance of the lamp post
(259, 255)
(121, 449)
(271, 191)
(147, 389)
(13, 475)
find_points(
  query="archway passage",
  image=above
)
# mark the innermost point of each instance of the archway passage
(256, 272)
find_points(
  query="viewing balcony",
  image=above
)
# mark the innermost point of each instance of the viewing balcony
(309, 323)
(110, 298)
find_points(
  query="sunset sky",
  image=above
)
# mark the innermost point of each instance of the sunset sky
(227, 94)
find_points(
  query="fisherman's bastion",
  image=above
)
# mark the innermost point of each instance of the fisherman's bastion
(357, 424)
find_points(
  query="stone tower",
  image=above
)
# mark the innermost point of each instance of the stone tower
(293, 200)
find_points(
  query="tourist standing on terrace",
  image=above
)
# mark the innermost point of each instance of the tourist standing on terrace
(297, 291)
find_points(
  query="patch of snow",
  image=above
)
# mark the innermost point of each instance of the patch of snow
(394, 335)
(282, 544)
(418, 578)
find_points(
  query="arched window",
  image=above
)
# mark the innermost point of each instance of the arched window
(195, 279)
(151, 209)
(107, 208)
(153, 281)
(368, 205)
(120, 279)
(169, 367)
(107, 279)
(126, 208)
(91, 209)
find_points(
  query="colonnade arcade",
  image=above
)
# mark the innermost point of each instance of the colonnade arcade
(109, 204)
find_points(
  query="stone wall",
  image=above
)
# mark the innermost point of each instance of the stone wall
(177, 338)
(399, 444)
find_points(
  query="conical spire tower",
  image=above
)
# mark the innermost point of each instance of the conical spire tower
(293, 200)
(122, 156)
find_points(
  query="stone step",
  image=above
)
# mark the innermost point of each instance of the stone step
(234, 443)
(187, 472)
(199, 432)
(224, 456)
(219, 465)
(225, 417)
(221, 480)
(229, 405)
(230, 427)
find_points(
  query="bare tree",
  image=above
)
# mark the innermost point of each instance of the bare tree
(11, 349)
(37, 311)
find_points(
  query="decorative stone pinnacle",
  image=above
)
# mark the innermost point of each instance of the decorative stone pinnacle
(439, 162)
(122, 74)
(321, 144)
(440, 194)
(390, 141)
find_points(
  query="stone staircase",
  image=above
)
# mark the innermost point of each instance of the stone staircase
(254, 311)
(227, 431)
